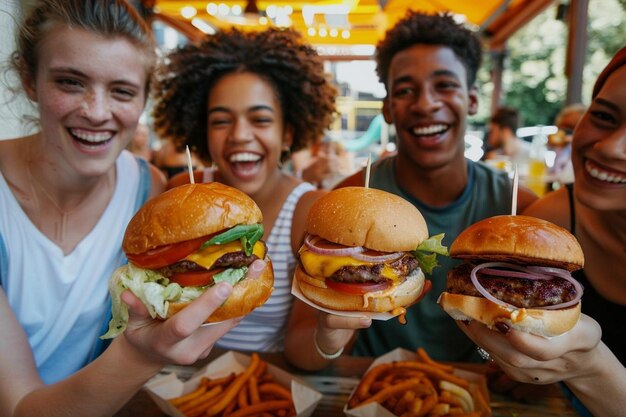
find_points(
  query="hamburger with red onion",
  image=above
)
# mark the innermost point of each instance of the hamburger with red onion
(185, 240)
(517, 270)
(365, 250)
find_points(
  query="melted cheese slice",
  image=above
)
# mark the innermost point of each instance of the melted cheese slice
(208, 256)
(325, 265)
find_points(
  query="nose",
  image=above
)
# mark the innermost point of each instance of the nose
(242, 131)
(426, 101)
(614, 144)
(96, 107)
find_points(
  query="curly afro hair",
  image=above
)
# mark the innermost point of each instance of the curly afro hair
(279, 56)
(435, 29)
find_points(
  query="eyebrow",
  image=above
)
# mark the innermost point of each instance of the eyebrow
(607, 103)
(251, 109)
(437, 73)
(78, 73)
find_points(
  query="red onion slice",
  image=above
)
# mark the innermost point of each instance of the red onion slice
(377, 257)
(323, 247)
(535, 272)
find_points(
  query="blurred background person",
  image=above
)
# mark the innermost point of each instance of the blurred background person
(504, 148)
(323, 164)
(561, 171)
(140, 144)
(173, 161)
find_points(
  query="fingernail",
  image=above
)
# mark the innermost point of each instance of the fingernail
(365, 322)
(257, 265)
(223, 290)
(502, 327)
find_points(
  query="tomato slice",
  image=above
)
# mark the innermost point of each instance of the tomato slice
(195, 278)
(166, 255)
(356, 288)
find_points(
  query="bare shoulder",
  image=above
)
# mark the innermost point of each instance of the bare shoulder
(525, 197)
(354, 180)
(183, 178)
(299, 216)
(158, 180)
(553, 207)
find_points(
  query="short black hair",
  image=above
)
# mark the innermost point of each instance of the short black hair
(435, 29)
(506, 117)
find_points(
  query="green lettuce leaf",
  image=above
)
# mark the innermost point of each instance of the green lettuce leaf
(248, 234)
(426, 253)
(155, 291)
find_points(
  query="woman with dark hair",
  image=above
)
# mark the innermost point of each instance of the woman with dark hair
(594, 210)
(66, 195)
(243, 102)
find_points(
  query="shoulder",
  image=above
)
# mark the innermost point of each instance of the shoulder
(354, 180)
(183, 178)
(158, 180)
(299, 216)
(553, 207)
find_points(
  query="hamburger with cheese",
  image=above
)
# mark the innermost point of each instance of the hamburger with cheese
(184, 241)
(517, 270)
(365, 250)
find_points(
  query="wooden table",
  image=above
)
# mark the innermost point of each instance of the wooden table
(338, 380)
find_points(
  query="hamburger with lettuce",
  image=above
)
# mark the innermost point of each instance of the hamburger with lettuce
(185, 240)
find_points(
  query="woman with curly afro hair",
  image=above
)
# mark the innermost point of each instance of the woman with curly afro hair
(243, 101)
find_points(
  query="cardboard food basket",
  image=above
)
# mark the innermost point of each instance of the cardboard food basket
(478, 383)
(163, 388)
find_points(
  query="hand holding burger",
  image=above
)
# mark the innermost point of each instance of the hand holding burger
(363, 252)
(517, 272)
(184, 241)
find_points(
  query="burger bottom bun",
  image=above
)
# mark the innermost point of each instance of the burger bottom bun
(247, 295)
(401, 296)
(546, 323)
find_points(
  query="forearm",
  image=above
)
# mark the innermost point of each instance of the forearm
(99, 389)
(602, 391)
(299, 348)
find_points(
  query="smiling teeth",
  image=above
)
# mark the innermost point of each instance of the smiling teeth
(244, 157)
(603, 175)
(91, 137)
(429, 130)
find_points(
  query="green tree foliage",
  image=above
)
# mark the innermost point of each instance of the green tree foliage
(534, 79)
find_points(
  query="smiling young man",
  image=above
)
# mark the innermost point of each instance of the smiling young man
(428, 64)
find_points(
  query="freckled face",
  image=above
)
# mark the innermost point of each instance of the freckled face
(428, 100)
(246, 131)
(599, 148)
(90, 92)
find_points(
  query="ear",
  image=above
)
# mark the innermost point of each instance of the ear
(387, 110)
(472, 107)
(288, 136)
(28, 81)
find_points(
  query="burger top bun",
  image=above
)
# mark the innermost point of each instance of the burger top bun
(519, 239)
(188, 212)
(359, 216)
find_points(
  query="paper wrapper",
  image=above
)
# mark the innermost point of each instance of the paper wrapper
(295, 290)
(478, 383)
(163, 388)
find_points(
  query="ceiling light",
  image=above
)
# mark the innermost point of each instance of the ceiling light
(188, 12)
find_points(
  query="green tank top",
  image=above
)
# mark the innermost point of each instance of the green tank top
(488, 193)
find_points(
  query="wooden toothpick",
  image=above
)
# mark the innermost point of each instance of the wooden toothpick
(367, 170)
(189, 167)
(515, 186)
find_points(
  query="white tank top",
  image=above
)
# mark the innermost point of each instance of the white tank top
(62, 301)
(263, 330)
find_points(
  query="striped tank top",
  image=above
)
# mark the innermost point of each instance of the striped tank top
(263, 330)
